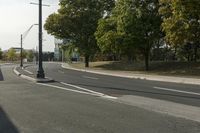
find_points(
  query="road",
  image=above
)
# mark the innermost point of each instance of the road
(79, 103)
(116, 86)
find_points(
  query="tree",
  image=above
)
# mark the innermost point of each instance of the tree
(181, 23)
(24, 54)
(1, 54)
(138, 25)
(77, 21)
(11, 54)
(30, 55)
(108, 38)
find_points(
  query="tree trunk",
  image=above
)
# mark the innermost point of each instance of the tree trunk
(87, 57)
(147, 56)
(195, 53)
(188, 57)
(147, 61)
(130, 59)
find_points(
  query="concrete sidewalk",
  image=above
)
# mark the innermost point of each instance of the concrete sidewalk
(126, 74)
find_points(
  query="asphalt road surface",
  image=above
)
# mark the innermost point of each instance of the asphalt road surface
(116, 86)
(85, 103)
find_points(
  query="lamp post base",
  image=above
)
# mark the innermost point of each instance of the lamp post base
(40, 74)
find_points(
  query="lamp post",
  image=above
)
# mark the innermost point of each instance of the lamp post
(22, 37)
(21, 64)
(40, 72)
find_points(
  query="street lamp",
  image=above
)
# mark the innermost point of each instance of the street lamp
(40, 72)
(23, 36)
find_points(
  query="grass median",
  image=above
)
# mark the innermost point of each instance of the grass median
(183, 69)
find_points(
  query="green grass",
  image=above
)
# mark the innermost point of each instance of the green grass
(186, 69)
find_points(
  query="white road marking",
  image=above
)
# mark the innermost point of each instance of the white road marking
(87, 77)
(28, 71)
(84, 89)
(61, 71)
(77, 91)
(173, 90)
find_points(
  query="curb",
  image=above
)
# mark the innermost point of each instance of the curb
(147, 77)
(16, 72)
(45, 80)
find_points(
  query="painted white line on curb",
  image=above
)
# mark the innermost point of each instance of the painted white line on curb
(87, 77)
(77, 91)
(173, 90)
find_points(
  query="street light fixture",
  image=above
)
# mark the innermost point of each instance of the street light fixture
(23, 36)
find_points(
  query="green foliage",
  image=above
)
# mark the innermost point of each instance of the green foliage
(24, 54)
(1, 54)
(108, 38)
(77, 21)
(133, 25)
(69, 49)
(181, 22)
(30, 55)
(11, 54)
(174, 22)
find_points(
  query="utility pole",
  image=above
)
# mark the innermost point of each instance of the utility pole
(22, 37)
(21, 64)
(40, 72)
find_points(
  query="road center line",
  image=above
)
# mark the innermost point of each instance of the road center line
(87, 77)
(174, 90)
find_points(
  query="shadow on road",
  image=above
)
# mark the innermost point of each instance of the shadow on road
(1, 76)
(6, 126)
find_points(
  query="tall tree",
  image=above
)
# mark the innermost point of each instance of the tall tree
(11, 54)
(1, 54)
(77, 20)
(138, 24)
(30, 55)
(108, 38)
(181, 22)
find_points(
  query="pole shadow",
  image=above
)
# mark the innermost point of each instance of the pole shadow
(6, 126)
(1, 75)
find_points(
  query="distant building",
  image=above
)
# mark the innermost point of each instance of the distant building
(57, 53)
(57, 49)
(17, 50)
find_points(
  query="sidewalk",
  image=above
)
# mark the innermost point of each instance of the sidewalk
(126, 74)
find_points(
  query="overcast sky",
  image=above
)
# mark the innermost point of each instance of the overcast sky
(16, 16)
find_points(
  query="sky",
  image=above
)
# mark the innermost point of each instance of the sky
(16, 17)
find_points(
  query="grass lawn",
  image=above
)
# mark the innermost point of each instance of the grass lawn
(186, 69)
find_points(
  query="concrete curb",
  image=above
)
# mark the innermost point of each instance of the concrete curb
(16, 72)
(6, 64)
(46, 80)
(141, 77)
